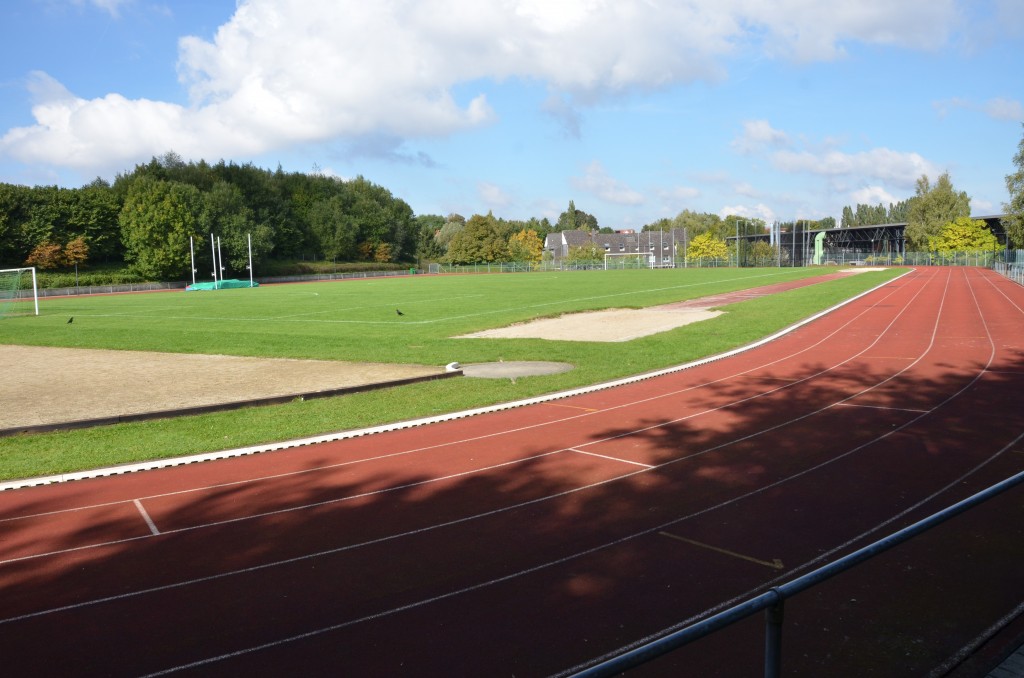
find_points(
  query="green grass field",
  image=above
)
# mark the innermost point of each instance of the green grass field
(356, 320)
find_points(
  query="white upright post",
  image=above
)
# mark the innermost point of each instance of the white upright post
(213, 248)
(220, 261)
(35, 290)
(192, 257)
(249, 237)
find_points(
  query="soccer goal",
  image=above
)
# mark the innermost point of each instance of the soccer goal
(620, 260)
(19, 294)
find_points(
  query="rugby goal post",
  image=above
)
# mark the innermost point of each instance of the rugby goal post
(628, 260)
(13, 301)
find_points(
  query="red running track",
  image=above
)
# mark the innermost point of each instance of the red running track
(534, 541)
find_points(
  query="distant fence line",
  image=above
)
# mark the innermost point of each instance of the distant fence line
(1009, 263)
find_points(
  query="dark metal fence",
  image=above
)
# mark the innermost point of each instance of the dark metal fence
(772, 602)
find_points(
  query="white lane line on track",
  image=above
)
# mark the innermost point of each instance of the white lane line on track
(594, 442)
(344, 435)
(146, 517)
(473, 517)
(605, 456)
(881, 407)
(520, 429)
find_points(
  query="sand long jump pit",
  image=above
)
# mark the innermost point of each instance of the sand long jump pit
(71, 387)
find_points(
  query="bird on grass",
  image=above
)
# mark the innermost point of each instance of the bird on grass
(71, 320)
(399, 312)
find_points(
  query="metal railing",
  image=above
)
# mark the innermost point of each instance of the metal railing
(773, 600)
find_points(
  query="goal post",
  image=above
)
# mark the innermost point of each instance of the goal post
(621, 260)
(13, 300)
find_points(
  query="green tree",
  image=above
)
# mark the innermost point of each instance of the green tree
(573, 219)
(525, 245)
(481, 241)
(226, 215)
(93, 217)
(156, 222)
(848, 220)
(706, 246)
(587, 254)
(427, 226)
(964, 234)
(931, 208)
(762, 254)
(1014, 221)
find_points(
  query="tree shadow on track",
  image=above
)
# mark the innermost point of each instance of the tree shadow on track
(563, 556)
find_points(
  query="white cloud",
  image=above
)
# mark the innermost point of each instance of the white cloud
(998, 108)
(758, 134)
(597, 182)
(1004, 109)
(493, 196)
(112, 7)
(284, 72)
(899, 169)
(747, 190)
(873, 195)
(679, 194)
(758, 211)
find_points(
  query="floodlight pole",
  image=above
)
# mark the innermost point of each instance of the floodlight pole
(738, 240)
(249, 237)
(213, 248)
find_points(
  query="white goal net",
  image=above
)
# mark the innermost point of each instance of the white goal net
(619, 260)
(18, 292)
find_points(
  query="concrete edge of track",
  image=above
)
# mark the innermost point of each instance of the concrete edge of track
(395, 426)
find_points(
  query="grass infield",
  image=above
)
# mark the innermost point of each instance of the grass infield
(357, 320)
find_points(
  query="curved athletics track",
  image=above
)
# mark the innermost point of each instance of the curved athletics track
(532, 541)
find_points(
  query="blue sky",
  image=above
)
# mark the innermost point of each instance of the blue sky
(633, 109)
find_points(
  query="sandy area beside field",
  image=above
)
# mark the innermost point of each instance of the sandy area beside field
(613, 325)
(49, 385)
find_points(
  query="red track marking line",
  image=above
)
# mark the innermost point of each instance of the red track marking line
(774, 563)
(574, 407)
(590, 412)
(333, 437)
(146, 517)
(605, 456)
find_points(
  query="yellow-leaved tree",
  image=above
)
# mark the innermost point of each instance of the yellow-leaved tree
(964, 234)
(525, 245)
(706, 246)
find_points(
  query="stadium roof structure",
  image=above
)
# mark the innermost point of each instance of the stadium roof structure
(874, 239)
